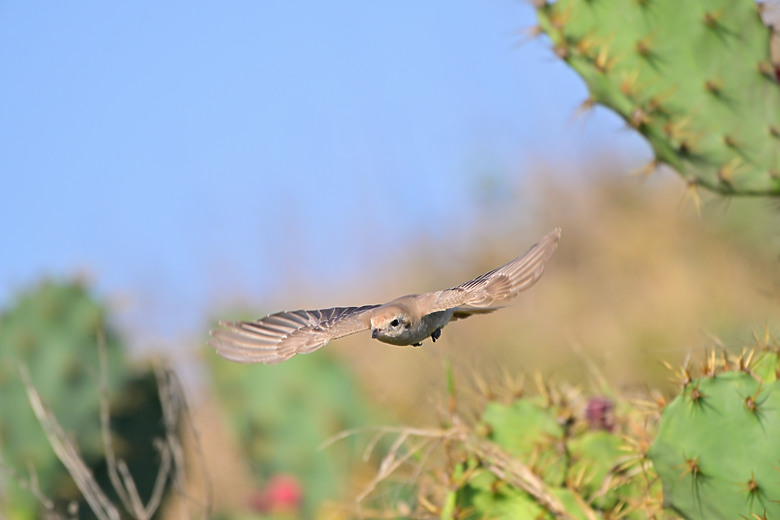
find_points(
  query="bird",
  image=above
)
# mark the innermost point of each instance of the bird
(408, 320)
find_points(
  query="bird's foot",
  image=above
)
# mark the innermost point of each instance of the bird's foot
(417, 344)
(436, 334)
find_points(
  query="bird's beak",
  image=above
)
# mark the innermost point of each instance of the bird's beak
(374, 333)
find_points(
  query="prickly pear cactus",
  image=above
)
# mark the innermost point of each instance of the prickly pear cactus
(589, 470)
(718, 446)
(694, 77)
(52, 329)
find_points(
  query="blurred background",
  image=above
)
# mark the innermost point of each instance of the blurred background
(186, 163)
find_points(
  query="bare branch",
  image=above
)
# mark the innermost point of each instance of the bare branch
(105, 425)
(174, 408)
(515, 472)
(162, 478)
(68, 454)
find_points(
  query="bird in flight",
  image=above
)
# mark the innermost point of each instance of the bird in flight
(407, 320)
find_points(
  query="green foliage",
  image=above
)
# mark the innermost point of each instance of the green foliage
(694, 77)
(718, 446)
(589, 471)
(486, 496)
(282, 413)
(53, 331)
(528, 430)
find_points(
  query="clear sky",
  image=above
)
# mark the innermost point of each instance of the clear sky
(187, 153)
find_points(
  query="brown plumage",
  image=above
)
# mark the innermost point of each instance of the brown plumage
(407, 320)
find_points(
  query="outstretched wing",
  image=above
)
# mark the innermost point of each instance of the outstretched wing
(280, 336)
(503, 283)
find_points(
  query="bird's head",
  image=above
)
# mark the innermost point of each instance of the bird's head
(389, 322)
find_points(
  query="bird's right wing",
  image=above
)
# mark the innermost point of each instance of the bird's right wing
(280, 336)
(500, 284)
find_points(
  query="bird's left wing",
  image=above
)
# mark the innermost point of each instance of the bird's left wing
(280, 336)
(500, 284)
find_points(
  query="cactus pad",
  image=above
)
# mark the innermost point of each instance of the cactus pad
(718, 448)
(590, 472)
(694, 77)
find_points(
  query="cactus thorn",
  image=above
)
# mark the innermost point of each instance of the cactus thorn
(692, 193)
(585, 107)
(760, 342)
(751, 401)
(696, 395)
(559, 19)
(660, 402)
(766, 69)
(711, 18)
(751, 486)
(713, 86)
(745, 359)
(483, 388)
(542, 388)
(709, 368)
(639, 118)
(643, 48)
(562, 51)
(586, 44)
(628, 83)
(725, 361)
(677, 130)
(774, 131)
(690, 466)
(527, 34)
(683, 376)
(647, 170)
(603, 63)
(730, 141)
(727, 171)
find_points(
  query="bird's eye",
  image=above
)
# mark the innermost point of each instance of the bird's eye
(394, 323)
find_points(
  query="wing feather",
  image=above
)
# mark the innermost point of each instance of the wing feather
(280, 336)
(502, 283)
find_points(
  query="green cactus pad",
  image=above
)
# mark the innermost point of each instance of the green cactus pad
(718, 448)
(530, 431)
(590, 472)
(694, 77)
(484, 496)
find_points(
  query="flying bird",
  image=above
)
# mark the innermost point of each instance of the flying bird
(407, 320)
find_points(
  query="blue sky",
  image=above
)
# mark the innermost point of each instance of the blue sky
(188, 153)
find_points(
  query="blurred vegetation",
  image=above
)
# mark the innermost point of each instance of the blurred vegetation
(52, 334)
(281, 414)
